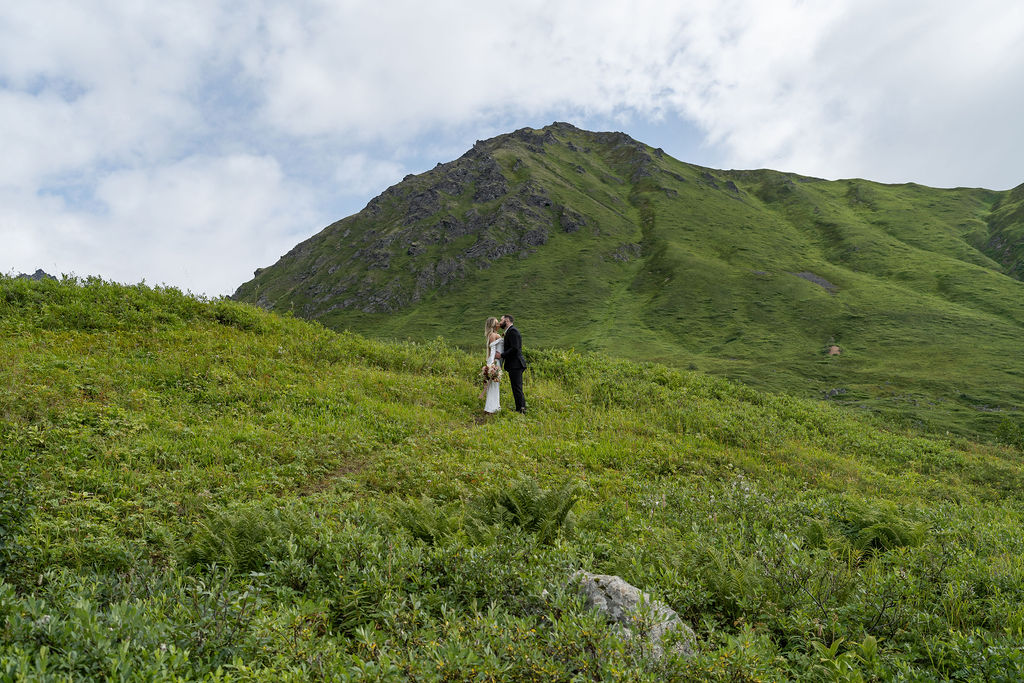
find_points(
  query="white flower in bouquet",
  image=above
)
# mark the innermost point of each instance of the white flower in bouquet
(491, 373)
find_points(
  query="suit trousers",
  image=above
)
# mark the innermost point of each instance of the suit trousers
(515, 381)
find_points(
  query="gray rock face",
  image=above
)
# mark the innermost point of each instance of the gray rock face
(422, 205)
(634, 612)
(627, 252)
(490, 182)
(709, 179)
(40, 274)
(571, 220)
(455, 181)
(535, 140)
(535, 238)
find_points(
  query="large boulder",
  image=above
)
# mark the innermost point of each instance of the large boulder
(636, 614)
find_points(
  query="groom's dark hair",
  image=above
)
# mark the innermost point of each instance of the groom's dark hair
(510, 318)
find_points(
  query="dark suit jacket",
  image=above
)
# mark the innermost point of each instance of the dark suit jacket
(512, 356)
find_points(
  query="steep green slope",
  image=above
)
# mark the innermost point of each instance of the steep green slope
(201, 490)
(1004, 240)
(598, 242)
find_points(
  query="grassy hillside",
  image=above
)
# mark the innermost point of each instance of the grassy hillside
(600, 243)
(196, 490)
(1005, 239)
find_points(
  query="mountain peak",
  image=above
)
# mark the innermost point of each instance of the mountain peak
(536, 139)
(503, 199)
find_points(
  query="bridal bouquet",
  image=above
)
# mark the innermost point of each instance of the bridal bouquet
(490, 373)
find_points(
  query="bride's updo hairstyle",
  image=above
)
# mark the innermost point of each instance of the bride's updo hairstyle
(490, 326)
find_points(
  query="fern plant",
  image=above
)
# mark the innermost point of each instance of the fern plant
(424, 519)
(524, 504)
(244, 539)
(879, 528)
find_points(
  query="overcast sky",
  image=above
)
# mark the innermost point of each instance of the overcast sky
(189, 142)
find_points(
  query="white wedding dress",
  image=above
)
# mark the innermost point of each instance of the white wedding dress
(493, 402)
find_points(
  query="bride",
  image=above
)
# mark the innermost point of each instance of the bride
(495, 344)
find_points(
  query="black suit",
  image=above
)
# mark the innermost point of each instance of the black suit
(514, 363)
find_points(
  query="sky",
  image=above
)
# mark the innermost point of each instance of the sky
(188, 142)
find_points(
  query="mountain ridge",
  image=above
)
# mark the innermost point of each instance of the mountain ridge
(604, 243)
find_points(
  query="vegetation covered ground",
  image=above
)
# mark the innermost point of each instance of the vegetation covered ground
(201, 490)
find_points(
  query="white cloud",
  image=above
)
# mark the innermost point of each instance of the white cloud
(171, 131)
(915, 91)
(358, 174)
(386, 69)
(199, 223)
(888, 91)
(90, 83)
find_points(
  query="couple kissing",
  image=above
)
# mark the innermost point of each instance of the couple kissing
(509, 351)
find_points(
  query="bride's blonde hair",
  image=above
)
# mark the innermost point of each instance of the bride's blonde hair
(490, 326)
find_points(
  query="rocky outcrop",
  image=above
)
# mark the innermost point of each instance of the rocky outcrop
(40, 274)
(627, 252)
(490, 183)
(535, 140)
(638, 617)
(422, 205)
(570, 220)
(519, 223)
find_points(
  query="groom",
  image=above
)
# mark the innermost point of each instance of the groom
(513, 361)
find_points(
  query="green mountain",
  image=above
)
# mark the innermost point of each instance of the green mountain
(598, 242)
(194, 490)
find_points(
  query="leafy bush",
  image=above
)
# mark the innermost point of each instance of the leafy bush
(91, 305)
(1011, 432)
(425, 520)
(102, 626)
(16, 506)
(240, 316)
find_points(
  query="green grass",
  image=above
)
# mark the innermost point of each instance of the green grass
(201, 490)
(928, 307)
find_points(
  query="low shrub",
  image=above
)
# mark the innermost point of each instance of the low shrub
(16, 505)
